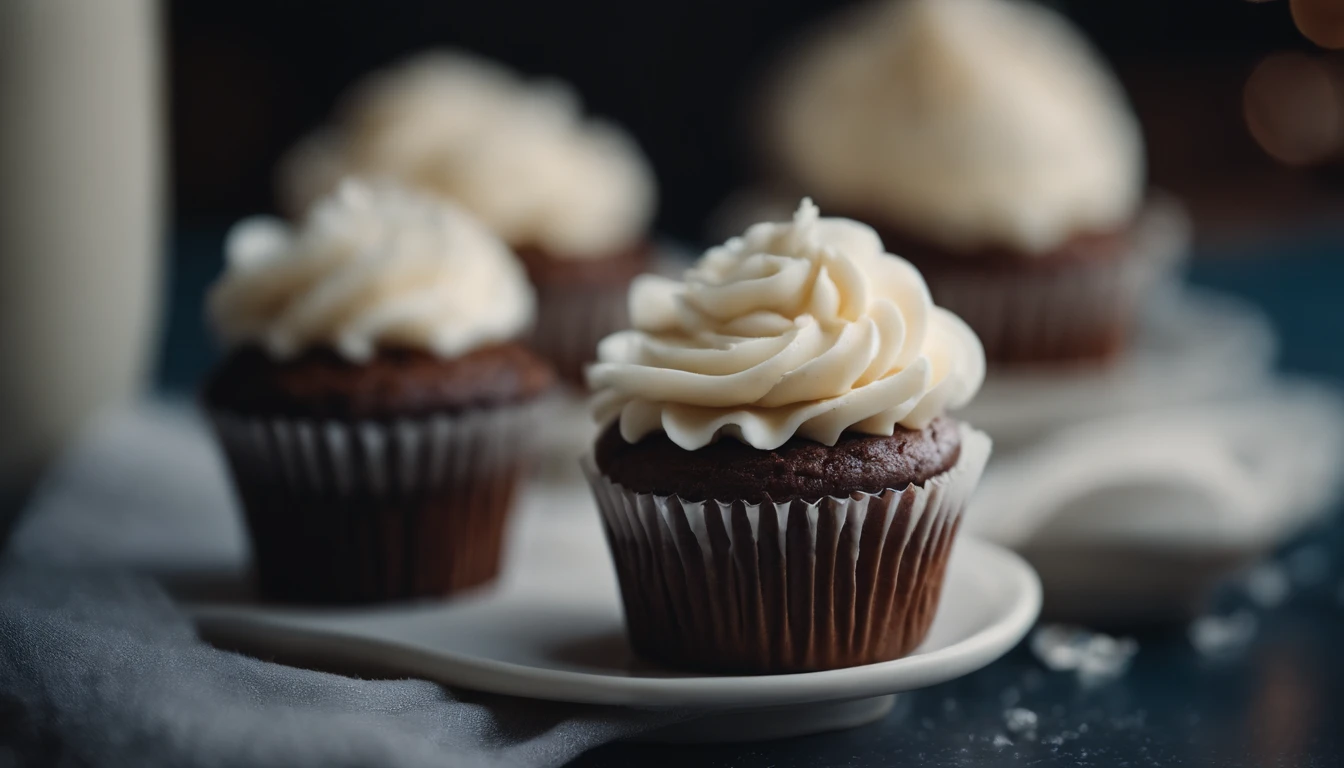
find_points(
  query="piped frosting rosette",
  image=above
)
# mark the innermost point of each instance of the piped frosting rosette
(971, 123)
(372, 265)
(807, 328)
(520, 155)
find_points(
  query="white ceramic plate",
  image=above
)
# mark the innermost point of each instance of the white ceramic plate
(1191, 346)
(569, 646)
(552, 629)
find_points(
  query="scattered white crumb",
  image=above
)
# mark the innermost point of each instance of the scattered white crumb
(1267, 585)
(1082, 728)
(1217, 636)
(1061, 737)
(1001, 741)
(1125, 722)
(1020, 722)
(1095, 657)
(1309, 565)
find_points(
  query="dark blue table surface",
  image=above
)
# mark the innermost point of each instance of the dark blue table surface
(1278, 702)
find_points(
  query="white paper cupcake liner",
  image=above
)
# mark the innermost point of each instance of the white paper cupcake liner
(732, 586)
(1077, 312)
(365, 511)
(572, 320)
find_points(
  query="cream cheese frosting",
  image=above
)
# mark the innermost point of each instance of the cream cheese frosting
(972, 123)
(808, 329)
(371, 266)
(520, 156)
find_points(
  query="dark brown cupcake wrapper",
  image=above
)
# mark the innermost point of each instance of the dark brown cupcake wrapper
(571, 320)
(348, 512)
(734, 587)
(1080, 311)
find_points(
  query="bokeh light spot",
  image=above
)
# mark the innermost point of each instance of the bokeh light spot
(1294, 108)
(1322, 21)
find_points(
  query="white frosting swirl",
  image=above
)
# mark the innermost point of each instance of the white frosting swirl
(520, 156)
(371, 267)
(969, 122)
(808, 328)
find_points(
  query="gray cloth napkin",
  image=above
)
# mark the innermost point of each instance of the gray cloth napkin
(101, 668)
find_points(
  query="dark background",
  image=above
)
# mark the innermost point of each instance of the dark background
(248, 77)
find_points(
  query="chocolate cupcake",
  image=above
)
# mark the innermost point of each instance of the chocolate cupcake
(779, 485)
(989, 145)
(573, 196)
(580, 301)
(374, 404)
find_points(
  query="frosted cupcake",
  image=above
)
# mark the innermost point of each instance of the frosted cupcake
(573, 196)
(778, 480)
(374, 402)
(989, 145)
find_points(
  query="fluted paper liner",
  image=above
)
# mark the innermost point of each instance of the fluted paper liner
(1078, 311)
(736, 587)
(571, 320)
(362, 511)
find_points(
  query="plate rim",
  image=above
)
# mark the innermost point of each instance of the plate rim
(231, 623)
(1001, 411)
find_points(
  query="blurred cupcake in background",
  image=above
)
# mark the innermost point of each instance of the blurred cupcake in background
(778, 478)
(989, 145)
(573, 196)
(374, 403)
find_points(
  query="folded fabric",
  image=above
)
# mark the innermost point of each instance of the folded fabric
(1237, 473)
(99, 667)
